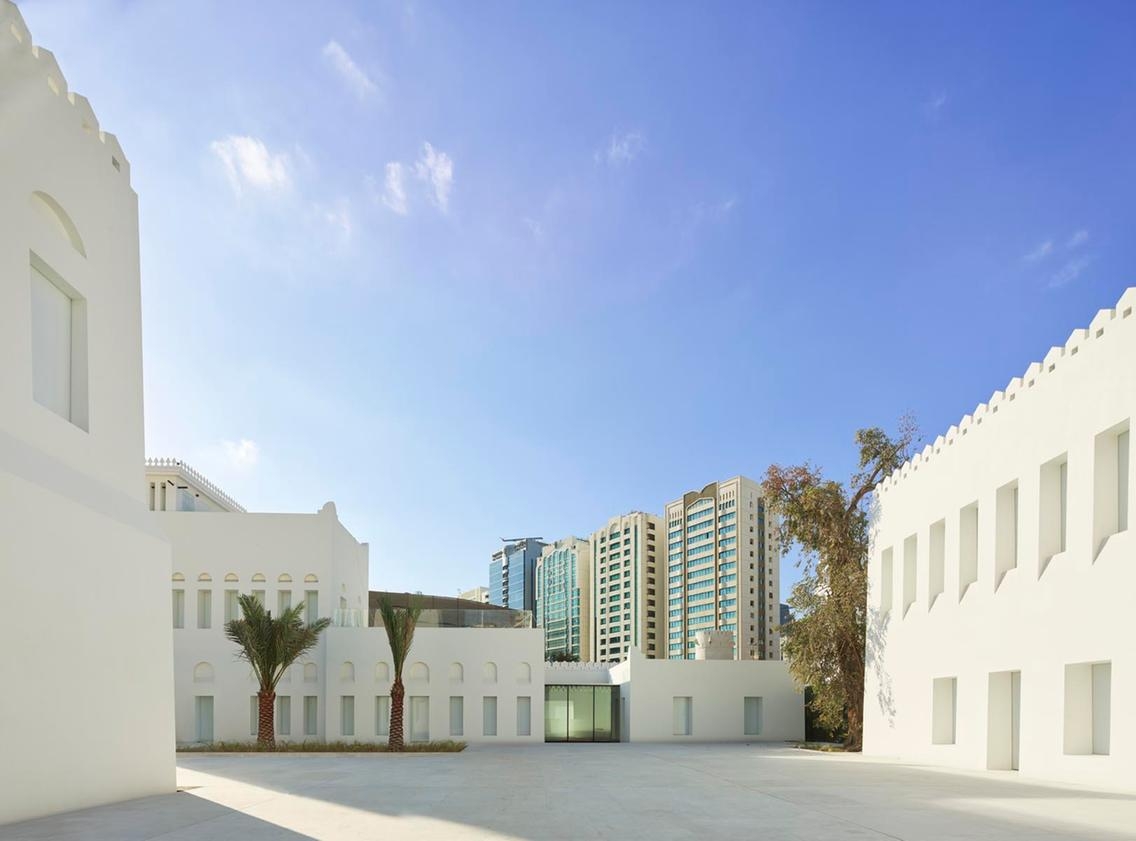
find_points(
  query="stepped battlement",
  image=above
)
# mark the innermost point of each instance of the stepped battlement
(1101, 331)
(16, 40)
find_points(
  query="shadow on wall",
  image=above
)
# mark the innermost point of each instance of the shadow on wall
(877, 643)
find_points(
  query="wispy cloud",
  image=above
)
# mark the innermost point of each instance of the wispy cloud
(1070, 271)
(621, 148)
(339, 218)
(934, 106)
(1078, 239)
(1043, 250)
(248, 162)
(351, 73)
(243, 454)
(437, 169)
(534, 227)
(394, 188)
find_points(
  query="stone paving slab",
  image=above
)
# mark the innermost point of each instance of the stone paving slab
(616, 791)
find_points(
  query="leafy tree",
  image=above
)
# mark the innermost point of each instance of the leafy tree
(399, 622)
(270, 645)
(563, 657)
(831, 524)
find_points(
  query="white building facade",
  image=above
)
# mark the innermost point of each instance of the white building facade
(723, 570)
(87, 718)
(659, 700)
(1001, 577)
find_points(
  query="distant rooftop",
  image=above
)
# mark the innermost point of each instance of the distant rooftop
(177, 467)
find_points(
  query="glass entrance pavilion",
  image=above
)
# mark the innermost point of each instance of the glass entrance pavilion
(581, 713)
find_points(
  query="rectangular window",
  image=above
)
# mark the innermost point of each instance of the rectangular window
(232, 606)
(283, 715)
(382, 715)
(936, 561)
(254, 714)
(1052, 510)
(419, 718)
(1110, 485)
(1088, 708)
(457, 715)
(311, 606)
(347, 715)
(944, 697)
(311, 715)
(682, 709)
(887, 577)
(283, 601)
(910, 571)
(968, 547)
(203, 715)
(179, 608)
(489, 716)
(524, 715)
(1006, 531)
(59, 345)
(259, 596)
(204, 608)
(752, 716)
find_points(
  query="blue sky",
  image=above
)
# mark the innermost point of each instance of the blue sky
(488, 269)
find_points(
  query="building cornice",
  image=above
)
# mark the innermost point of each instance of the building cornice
(180, 468)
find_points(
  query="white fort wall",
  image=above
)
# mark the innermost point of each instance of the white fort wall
(86, 715)
(1000, 628)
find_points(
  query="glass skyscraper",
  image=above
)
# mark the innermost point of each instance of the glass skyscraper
(512, 574)
(563, 581)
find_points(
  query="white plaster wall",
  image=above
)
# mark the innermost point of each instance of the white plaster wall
(242, 546)
(517, 654)
(1037, 622)
(718, 689)
(85, 717)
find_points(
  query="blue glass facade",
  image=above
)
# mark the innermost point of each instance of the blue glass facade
(512, 574)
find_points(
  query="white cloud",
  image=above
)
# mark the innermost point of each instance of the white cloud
(1078, 239)
(438, 169)
(1042, 251)
(933, 106)
(352, 74)
(339, 217)
(621, 149)
(242, 454)
(248, 162)
(1069, 272)
(535, 228)
(394, 188)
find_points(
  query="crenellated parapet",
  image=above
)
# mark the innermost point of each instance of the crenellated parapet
(1102, 330)
(15, 40)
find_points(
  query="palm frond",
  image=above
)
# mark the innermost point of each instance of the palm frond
(400, 623)
(270, 645)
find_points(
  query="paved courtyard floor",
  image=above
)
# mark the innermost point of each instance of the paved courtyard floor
(594, 791)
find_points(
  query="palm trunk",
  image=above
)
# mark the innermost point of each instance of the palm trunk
(398, 693)
(265, 731)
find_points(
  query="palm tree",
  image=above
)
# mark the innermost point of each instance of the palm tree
(399, 622)
(270, 646)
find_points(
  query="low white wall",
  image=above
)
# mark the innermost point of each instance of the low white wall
(717, 689)
(500, 663)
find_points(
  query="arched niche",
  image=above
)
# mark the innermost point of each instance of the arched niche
(489, 672)
(457, 673)
(419, 671)
(231, 578)
(52, 210)
(258, 578)
(203, 673)
(382, 672)
(524, 672)
(347, 672)
(311, 673)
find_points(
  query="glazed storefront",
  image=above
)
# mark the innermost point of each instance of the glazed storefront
(581, 713)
